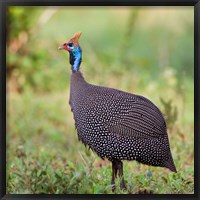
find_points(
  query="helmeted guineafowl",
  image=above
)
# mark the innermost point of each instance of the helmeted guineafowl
(116, 125)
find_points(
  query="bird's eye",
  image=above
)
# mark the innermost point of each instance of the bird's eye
(70, 44)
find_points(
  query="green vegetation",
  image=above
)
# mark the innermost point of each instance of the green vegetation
(151, 57)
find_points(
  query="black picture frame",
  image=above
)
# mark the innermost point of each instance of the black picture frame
(5, 3)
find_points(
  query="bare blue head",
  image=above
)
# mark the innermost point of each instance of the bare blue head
(75, 52)
(75, 57)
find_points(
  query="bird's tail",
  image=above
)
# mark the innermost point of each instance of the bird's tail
(170, 164)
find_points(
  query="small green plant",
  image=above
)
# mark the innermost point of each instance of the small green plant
(170, 112)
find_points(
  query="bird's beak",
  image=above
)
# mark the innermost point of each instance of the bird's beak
(60, 47)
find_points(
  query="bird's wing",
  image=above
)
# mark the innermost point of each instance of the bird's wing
(138, 117)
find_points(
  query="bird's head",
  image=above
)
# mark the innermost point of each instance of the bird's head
(72, 46)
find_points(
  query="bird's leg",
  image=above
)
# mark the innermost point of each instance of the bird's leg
(117, 166)
(121, 175)
(114, 174)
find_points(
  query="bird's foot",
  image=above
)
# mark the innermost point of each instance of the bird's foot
(113, 188)
(145, 191)
(123, 186)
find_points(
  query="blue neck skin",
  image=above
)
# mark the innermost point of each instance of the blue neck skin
(75, 58)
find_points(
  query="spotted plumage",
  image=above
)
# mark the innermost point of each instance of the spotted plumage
(117, 125)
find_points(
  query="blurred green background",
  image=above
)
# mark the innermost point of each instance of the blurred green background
(143, 50)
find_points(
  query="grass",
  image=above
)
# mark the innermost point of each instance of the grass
(45, 155)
